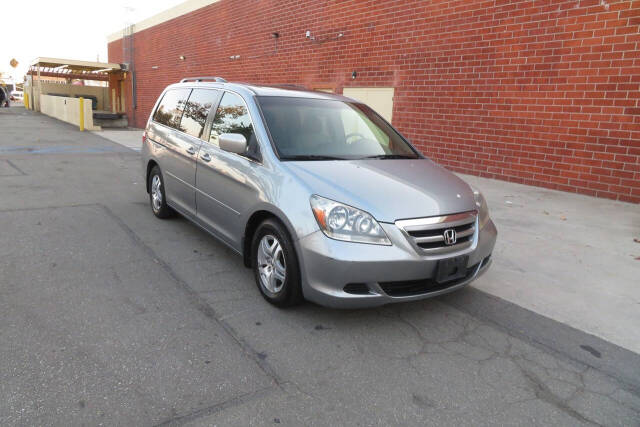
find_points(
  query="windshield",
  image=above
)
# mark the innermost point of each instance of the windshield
(320, 129)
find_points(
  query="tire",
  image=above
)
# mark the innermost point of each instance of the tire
(272, 252)
(157, 195)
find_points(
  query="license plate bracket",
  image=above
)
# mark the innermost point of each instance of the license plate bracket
(450, 269)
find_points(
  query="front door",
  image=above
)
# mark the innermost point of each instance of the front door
(227, 182)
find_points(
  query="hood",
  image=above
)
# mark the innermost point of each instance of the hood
(388, 189)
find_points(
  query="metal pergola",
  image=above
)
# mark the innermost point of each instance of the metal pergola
(71, 69)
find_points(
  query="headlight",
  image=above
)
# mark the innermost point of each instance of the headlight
(343, 222)
(483, 209)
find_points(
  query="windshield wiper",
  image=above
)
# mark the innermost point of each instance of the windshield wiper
(390, 156)
(312, 157)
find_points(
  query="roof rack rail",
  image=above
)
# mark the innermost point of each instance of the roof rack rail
(290, 86)
(200, 79)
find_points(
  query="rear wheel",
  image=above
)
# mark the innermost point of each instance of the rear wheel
(157, 195)
(275, 265)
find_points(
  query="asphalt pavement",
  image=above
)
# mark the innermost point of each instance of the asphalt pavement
(111, 316)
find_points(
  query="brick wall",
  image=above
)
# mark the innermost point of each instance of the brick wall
(540, 92)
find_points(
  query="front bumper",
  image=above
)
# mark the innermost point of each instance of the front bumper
(328, 265)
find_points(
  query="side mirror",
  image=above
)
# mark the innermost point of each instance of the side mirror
(233, 142)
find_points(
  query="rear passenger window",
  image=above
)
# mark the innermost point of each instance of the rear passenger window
(169, 112)
(232, 117)
(196, 111)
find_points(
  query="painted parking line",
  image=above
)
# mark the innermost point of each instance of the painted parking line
(72, 149)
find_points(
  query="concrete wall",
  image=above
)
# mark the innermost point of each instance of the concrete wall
(101, 93)
(537, 92)
(30, 92)
(67, 110)
(62, 88)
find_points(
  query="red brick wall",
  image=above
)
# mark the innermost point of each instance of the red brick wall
(540, 92)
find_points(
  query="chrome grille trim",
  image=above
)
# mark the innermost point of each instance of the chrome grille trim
(426, 235)
(467, 232)
(429, 239)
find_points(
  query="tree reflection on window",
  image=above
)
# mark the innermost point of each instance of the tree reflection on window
(169, 113)
(169, 118)
(196, 111)
(231, 117)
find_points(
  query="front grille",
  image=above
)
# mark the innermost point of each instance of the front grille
(427, 235)
(409, 288)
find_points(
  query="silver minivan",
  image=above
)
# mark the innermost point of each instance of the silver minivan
(323, 198)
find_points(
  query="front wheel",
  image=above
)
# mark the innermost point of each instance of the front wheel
(275, 265)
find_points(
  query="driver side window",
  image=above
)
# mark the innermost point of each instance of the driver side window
(232, 116)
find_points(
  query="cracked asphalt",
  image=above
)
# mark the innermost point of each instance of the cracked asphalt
(109, 316)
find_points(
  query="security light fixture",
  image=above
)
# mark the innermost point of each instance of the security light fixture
(354, 75)
(313, 38)
(182, 58)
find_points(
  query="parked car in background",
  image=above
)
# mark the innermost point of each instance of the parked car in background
(17, 95)
(4, 97)
(322, 197)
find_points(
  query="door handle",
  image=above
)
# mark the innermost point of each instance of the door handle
(206, 157)
(191, 150)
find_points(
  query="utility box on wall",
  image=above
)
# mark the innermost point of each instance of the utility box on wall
(378, 98)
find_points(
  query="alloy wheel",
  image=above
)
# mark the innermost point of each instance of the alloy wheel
(271, 264)
(156, 193)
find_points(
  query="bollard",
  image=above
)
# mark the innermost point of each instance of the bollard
(26, 100)
(81, 104)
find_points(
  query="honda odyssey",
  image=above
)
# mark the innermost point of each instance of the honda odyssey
(322, 197)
